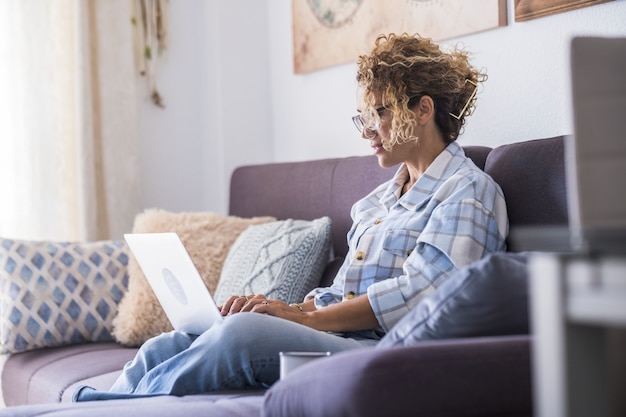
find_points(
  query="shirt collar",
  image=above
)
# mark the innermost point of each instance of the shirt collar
(444, 165)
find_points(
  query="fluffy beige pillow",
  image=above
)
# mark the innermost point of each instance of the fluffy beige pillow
(207, 237)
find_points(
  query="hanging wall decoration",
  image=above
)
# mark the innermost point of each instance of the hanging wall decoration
(332, 32)
(532, 9)
(150, 29)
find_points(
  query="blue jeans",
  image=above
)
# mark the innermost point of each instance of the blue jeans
(240, 352)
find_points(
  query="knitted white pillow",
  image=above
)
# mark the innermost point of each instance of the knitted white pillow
(283, 260)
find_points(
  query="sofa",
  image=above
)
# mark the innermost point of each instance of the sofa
(471, 376)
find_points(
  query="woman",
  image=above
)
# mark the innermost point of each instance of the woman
(438, 213)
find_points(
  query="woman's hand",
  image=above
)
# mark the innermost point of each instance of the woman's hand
(236, 303)
(356, 314)
(350, 315)
(277, 308)
(260, 304)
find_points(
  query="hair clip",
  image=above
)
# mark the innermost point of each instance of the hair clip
(469, 100)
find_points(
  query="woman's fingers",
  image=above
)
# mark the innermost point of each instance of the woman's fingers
(277, 308)
(225, 308)
(261, 307)
(253, 302)
(259, 304)
(234, 304)
(241, 303)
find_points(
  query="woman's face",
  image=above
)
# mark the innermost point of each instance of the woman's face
(375, 133)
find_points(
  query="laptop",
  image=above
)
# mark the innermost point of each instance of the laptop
(595, 156)
(175, 281)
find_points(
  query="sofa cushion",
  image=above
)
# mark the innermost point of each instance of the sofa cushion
(44, 375)
(206, 236)
(235, 404)
(283, 260)
(486, 298)
(57, 293)
(477, 377)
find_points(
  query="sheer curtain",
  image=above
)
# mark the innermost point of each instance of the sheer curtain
(68, 120)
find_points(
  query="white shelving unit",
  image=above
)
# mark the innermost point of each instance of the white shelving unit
(578, 315)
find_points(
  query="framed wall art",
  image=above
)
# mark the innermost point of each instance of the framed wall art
(532, 9)
(332, 32)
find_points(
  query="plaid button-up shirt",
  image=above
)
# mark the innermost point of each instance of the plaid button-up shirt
(402, 247)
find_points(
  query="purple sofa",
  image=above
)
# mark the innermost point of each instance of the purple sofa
(481, 376)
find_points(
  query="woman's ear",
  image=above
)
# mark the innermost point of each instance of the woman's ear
(425, 110)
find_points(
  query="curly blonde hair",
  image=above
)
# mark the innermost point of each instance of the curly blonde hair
(402, 66)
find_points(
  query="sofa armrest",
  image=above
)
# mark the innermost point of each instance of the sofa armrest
(461, 377)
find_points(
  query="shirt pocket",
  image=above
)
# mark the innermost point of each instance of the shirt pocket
(398, 245)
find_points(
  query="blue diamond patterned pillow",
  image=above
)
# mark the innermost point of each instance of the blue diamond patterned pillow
(58, 293)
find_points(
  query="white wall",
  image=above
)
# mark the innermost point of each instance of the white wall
(525, 97)
(233, 99)
(214, 80)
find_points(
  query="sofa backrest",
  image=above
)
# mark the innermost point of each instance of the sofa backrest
(532, 177)
(306, 190)
(311, 189)
(531, 174)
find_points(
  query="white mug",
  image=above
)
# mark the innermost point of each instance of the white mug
(291, 360)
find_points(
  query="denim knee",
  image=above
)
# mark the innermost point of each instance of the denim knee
(238, 332)
(174, 340)
(251, 324)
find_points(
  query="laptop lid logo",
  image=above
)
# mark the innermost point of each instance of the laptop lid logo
(174, 286)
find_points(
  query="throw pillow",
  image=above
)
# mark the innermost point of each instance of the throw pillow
(283, 260)
(55, 293)
(486, 298)
(206, 236)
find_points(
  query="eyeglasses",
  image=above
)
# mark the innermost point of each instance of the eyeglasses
(371, 124)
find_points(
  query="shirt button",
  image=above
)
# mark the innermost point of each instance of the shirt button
(350, 295)
(378, 221)
(360, 255)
